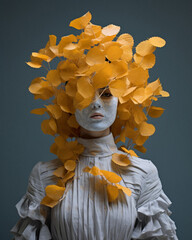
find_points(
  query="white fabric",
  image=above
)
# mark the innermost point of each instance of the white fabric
(85, 213)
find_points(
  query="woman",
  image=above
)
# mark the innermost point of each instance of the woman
(93, 190)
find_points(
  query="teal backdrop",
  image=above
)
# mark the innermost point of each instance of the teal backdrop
(25, 27)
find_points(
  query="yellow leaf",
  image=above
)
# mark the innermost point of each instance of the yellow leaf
(125, 39)
(139, 115)
(95, 56)
(164, 93)
(120, 159)
(111, 30)
(80, 23)
(118, 86)
(53, 125)
(102, 77)
(71, 87)
(54, 192)
(47, 201)
(59, 172)
(54, 148)
(113, 53)
(65, 102)
(67, 70)
(138, 76)
(145, 48)
(119, 69)
(127, 53)
(85, 88)
(140, 140)
(45, 127)
(140, 148)
(53, 78)
(68, 176)
(70, 165)
(111, 176)
(73, 122)
(126, 95)
(126, 190)
(131, 152)
(155, 112)
(145, 62)
(146, 129)
(157, 41)
(34, 64)
(55, 110)
(39, 111)
(112, 192)
(95, 171)
(41, 56)
(65, 41)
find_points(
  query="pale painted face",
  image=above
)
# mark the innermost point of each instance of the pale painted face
(100, 114)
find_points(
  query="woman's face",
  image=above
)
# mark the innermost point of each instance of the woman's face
(100, 114)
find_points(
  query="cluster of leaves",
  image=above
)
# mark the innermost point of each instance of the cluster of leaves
(111, 180)
(96, 58)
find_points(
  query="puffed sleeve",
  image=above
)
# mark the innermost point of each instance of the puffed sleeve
(33, 223)
(153, 221)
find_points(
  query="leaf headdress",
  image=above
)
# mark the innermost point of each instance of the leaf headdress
(96, 58)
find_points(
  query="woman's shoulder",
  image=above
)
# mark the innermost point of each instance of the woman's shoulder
(43, 172)
(140, 165)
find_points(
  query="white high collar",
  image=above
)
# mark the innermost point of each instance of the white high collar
(103, 146)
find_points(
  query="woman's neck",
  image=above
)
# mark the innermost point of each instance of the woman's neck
(83, 133)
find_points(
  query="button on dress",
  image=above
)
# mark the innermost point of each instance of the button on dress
(84, 212)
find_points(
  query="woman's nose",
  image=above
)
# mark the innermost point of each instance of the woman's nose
(96, 104)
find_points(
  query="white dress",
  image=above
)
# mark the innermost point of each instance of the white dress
(85, 213)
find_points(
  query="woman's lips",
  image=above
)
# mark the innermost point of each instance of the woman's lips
(96, 116)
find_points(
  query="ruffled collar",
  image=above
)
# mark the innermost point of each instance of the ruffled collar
(103, 146)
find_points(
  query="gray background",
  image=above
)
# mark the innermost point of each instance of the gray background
(25, 26)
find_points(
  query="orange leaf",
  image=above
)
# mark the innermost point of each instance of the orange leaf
(146, 129)
(113, 53)
(120, 159)
(112, 193)
(54, 192)
(111, 176)
(155, 112)
(127, 191)
(47, 201)
(39, 111)
(70, 165)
